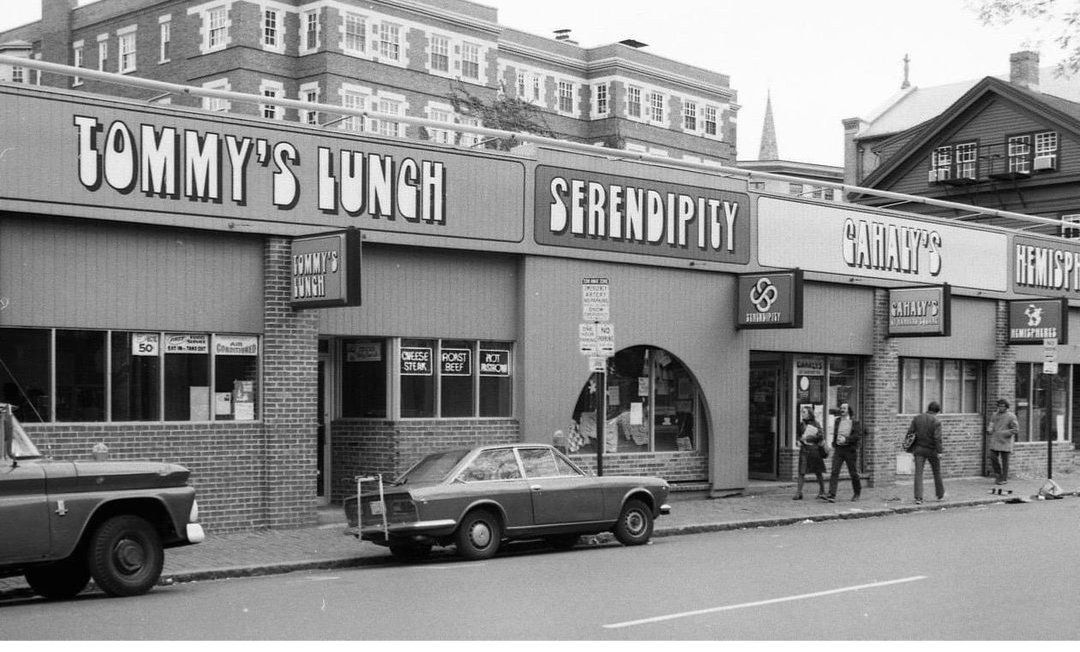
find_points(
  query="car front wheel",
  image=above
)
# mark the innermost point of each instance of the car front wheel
(60, 581)
(635, 524)
(479, 535)
(126, 556)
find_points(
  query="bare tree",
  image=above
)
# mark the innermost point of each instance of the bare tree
(1062, 15)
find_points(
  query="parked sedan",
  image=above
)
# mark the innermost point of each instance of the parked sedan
(477, 498)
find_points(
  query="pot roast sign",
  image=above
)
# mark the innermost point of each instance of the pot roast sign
(770, 300)
(326, 270)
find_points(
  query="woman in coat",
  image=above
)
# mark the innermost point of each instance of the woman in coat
(811, 459)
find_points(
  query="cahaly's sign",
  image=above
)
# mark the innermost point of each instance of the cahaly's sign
(590, 210)
(1031, 322)
(920, 311)
(770, 300)
(326, 270)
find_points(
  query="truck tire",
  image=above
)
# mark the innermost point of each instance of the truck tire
(125, 556)
(60, 581)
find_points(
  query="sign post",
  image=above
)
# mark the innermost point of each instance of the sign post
(1049, 371)
(597, 340)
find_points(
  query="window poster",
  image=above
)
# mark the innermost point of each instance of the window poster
(416, 361)
(187, 343)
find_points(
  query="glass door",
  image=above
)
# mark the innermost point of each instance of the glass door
(764, 419)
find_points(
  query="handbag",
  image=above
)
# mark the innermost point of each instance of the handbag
(909, 442)
(824, 452)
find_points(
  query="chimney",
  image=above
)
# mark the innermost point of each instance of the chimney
(1024, 69)
(56, 38)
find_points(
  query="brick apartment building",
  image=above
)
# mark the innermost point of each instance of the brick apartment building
(390, 56)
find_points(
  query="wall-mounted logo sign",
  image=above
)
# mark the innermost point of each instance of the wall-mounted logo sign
(590, 210)
(326, 270)
(1031, 322)
(770, 300)
(1045, 268)
(921, 311)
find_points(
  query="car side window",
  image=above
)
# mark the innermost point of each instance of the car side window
(492, 465)
(539, 463)
(565, 467)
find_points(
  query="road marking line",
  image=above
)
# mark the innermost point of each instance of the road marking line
(759, 603)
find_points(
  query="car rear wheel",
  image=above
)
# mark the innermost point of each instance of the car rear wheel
(635, 524)
(126, 556)
(562, 541)
(60, 581)
(410, 553)
(479, 535)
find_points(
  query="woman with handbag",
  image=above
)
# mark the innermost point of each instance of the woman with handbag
(811, 452)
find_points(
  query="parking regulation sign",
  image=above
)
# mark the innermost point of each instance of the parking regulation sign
(595, 299)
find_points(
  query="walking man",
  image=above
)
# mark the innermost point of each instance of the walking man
(927, 447)
(1003, 430)
(847, 432)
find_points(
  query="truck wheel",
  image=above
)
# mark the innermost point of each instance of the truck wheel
(125, 556)
(60, 581)
(479, 535)
(635, 524)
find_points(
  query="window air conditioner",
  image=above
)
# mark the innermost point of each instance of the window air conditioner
(932, 177)
(1047, 162)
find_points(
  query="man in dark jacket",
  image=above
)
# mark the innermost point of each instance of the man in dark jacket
(927, 446)
(846, 434)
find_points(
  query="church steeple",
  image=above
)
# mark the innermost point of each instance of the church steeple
(768, 151)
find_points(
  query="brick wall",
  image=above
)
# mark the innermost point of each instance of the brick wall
(366, 447)
(675, 467)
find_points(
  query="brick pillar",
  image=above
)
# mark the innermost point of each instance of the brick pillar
(290, 401)
(56, 38)
(1001, 374)
(881, 395)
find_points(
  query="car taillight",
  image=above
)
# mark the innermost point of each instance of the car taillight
(193, 515)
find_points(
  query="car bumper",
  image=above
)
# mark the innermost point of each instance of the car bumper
(665, 509)
(195, 533)
(440, 527)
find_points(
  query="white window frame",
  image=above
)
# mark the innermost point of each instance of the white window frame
(273, 32)
(602, 103)
(566, 100)
(393, 104)
(310, 92)
(126, 49)
(712, 121)
(537, 88)
(690, 117)
(103, 51)
(164, 38)
(519, 79)
(439, 46)
(1070, 226)
(657, 107)
(215, 103)
(77, 60)
(217, 28)
(358, 98)
(272, 89)
(634, 106)
(388, 45)
(465, 138)
(441, 113)
(310, 37)
(471, 58)
(359, 21)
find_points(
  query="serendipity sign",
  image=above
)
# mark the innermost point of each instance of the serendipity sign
(605, 212)
(150, 163)
(1031, 322)
(326, 270)
(920, 311)
(770, 300)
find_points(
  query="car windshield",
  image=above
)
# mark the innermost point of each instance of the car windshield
(432, 468)
(21, 446)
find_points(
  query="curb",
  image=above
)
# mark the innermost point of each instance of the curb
(259, 570)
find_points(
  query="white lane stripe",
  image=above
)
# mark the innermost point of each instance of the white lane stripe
(804, 596)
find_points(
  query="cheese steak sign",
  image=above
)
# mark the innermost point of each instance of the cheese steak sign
(590, 210)
(109, 155)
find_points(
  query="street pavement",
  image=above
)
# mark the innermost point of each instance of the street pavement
(325, 546)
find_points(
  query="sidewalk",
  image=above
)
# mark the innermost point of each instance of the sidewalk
(762, 505)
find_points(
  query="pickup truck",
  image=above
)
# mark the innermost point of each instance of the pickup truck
(63, 522)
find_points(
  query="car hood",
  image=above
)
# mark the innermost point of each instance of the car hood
(114, 475)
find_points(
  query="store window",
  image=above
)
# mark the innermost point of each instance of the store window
(128, 376)
(447, 379)
(956, 385)
(1033, 402)
(653, 404)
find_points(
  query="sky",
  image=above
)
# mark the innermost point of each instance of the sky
(821, 61)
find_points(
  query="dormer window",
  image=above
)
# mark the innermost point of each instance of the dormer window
(1046, 152)
(954, 164)
(1035, 152)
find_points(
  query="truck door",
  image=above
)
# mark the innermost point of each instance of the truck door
(24, 511)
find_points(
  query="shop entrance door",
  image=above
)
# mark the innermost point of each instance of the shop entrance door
(322, 428)
(764, 419)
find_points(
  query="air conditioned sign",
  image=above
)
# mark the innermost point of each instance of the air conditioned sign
(1031, 322)
(770, 300)
(326, 270)
(921, 311)
(591, 210)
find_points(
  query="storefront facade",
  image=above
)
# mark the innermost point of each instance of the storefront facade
(150, 302)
